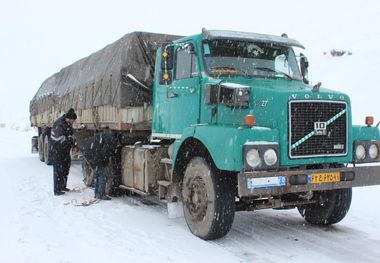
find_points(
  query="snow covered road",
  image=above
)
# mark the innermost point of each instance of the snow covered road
(39, 227)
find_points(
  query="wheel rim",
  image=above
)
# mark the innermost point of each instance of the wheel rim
(196, 199)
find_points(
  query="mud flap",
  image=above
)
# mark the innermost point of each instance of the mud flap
(175, 209)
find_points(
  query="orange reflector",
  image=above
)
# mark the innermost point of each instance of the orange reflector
(369, 120)
(165, 54)
(250, 120)
(165, 76)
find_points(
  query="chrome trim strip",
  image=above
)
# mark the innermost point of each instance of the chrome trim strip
(166, 136)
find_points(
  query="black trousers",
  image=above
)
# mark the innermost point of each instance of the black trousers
(60, 173)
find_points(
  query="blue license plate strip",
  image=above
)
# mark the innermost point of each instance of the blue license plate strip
(262, 182)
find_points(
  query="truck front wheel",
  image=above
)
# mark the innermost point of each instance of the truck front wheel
(208, 199)
(332, 207)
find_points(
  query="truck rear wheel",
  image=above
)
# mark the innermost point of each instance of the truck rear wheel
(208, 199)
(46, 150)
(332, 208)
(41, 148)
(112, 183)
(34, 144)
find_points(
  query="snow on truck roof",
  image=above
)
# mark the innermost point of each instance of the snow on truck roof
(219, 34)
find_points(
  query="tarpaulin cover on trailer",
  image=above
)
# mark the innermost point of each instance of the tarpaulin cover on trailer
(107, 77)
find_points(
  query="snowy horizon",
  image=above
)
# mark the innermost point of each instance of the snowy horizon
(41, 37)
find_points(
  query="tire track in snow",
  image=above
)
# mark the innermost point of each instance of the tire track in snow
(280, 234)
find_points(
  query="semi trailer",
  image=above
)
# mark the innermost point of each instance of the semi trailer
(221, 121)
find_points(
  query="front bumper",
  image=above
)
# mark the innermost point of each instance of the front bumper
(264, 184)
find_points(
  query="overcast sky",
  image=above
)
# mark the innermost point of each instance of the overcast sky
(39, 37)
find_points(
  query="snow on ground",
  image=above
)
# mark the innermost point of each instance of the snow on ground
(36, 226)
(39, 227)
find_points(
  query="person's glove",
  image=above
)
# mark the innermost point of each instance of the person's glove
(75, 150)
(72, 141)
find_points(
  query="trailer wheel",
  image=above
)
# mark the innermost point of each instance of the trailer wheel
(208, 199)
(331, 209)
(112, 183)
(88, 175)
(112, 187)
(46, 150)
(114, 175)
(34, 144)
(41, 148)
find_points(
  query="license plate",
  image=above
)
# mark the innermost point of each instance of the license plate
(263, 182)
(325, 177)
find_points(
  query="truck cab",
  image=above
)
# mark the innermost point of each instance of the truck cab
(244, 123)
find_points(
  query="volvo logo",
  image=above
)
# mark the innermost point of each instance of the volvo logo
(319, 97)
(320, 128)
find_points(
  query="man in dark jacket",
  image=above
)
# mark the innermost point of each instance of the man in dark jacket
(97, 151)
(61, 141)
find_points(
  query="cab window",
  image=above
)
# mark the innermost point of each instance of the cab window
(186, 63)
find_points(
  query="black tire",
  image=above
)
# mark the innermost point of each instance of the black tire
(34, 148)
(114, 175)
(112, 184)
(112, 188)
(46, 150)
(113, 181)
(41, 148)
(331, 209)
(88, 174)
(208, 199)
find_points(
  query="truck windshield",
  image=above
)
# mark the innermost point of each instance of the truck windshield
(251, 59)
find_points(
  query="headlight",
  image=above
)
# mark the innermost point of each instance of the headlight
(360, 152)
(253, 158)
(373, 151)
(270, 157)
(260, 156)
(366, 151)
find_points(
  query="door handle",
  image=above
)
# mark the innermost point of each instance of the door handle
(172, 94)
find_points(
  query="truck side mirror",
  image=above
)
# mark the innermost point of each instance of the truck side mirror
(304, 65)
(190, 49)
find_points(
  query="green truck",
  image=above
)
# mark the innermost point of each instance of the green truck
(221, 122)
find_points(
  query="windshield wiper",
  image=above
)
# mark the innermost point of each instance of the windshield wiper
(274, 71)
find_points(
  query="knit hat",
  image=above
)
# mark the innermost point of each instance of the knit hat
(71, 114)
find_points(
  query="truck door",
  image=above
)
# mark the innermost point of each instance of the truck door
(179, 107)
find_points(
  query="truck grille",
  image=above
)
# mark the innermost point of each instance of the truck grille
(317, 128)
